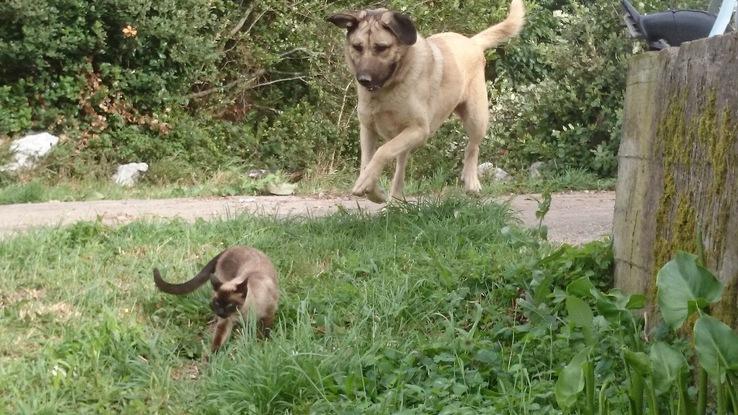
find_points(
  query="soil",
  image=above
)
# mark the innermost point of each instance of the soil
(574, 217)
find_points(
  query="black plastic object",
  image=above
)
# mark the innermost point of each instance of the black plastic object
(669, 28)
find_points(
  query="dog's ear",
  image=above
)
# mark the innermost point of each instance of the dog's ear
(402, 26)
(345, 20)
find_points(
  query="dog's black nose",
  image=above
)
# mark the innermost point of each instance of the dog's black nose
(364, 80)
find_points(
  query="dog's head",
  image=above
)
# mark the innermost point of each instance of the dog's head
(376, 42)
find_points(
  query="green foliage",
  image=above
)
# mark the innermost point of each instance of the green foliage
(581, 315)
(15, 113)
(685, 287)
(22, 193)
(264, 83)
(717, 347)
(566, 110)
(416, 309)
(571, 380)
(668, 365)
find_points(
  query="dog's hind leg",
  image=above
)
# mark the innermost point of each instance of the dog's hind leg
(398, 182)
(474, 114)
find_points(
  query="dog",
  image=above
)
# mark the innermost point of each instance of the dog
(408, 86)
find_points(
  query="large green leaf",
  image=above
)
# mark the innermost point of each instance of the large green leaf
(667, 363)
(717, 347)
(571, 380)
(581, 315)
(616, 306)
(580, 287)
(683, 287)
(638, 361)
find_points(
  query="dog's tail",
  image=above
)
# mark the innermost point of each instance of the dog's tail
(506, 29)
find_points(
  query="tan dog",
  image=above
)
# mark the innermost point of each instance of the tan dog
(408, 86)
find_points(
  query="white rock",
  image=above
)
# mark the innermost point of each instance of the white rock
(257, 173)
(128, 174)
(29, 149)
(534, 171)
(489, 170)
(485, 168)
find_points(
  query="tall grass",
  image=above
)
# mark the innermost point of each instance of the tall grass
(408, 311)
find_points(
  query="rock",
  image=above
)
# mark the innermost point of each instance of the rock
(257, 173)
(502, 175)
(29, 149)
(534, 171)
(281, 189)
(128, 174)
(489, 170)
(484, 169)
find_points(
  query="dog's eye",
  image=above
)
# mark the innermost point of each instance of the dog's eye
(380, 48)
(358, 48)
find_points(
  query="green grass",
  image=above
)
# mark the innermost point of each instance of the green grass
(30, 192)
(232, 182)
(224, 183)
(409, 311)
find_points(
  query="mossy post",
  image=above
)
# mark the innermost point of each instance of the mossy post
(678, 171)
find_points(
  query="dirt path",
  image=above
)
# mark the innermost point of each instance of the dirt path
(576, 217)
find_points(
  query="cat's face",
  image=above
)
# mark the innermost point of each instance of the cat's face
(224, 307)
(227, 299)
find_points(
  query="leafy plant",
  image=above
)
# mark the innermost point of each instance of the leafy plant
(685, 288)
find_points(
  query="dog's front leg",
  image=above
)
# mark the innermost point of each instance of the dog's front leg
(368, 140)
(409, 139)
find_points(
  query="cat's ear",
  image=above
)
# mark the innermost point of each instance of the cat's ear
(242, 286)
(215, 282)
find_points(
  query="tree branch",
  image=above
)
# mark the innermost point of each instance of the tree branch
(241, 22)
(229, 85)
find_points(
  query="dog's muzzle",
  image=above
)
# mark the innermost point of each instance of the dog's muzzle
(367, 82)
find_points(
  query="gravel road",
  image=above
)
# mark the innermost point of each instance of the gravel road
(574, 217)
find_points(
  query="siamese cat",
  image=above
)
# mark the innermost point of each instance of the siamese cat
(244, 281)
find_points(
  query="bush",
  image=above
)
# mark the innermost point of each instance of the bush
(264, 83)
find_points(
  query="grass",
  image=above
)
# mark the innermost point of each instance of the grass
(412, 310)
(224, 183)
(232, 182)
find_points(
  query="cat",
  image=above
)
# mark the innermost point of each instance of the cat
(244, 281)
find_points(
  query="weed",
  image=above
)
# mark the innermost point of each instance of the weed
(654, 383)
(32, 191)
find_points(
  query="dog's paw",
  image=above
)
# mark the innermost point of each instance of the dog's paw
(364, 184)
(472, 186)
(376, 195)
